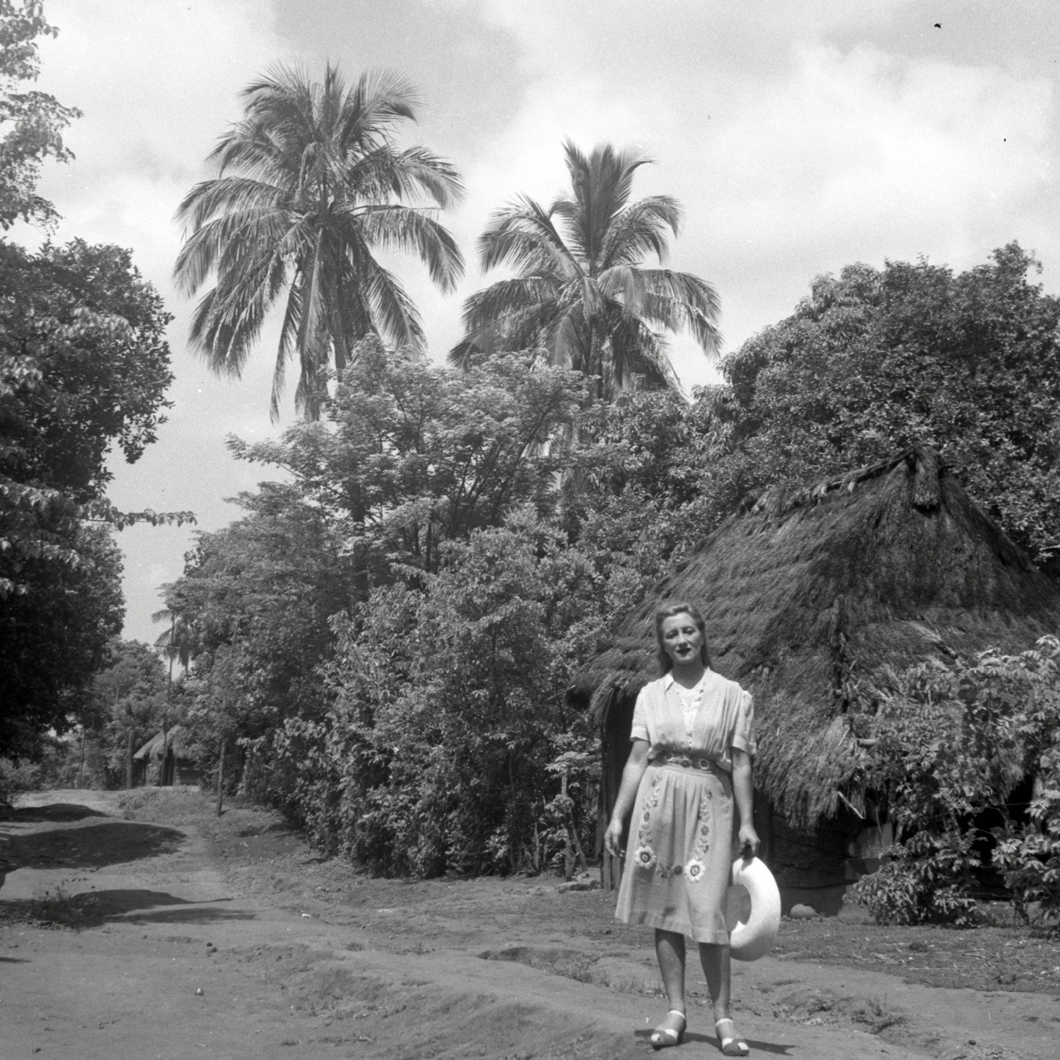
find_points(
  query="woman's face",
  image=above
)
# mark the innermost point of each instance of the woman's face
(681, 640)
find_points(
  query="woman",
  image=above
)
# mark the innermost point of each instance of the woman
(691, 760)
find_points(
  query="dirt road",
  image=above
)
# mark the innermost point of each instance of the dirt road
(235, 941)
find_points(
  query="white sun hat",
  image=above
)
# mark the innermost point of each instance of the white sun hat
(752, 939)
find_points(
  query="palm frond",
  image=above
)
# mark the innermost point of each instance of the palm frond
(393, 310)
(680, 301)
(641, 228)
(524, 237)
(507, 299)
(416, 232)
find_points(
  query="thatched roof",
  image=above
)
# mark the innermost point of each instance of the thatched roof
(175, 738)
(811, 597)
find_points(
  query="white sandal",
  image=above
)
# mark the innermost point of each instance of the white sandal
(730, 1045)
(663, 1037)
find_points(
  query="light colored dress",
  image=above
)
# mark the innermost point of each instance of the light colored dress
(679, 848)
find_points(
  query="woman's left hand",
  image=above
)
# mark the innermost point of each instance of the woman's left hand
(749, 842)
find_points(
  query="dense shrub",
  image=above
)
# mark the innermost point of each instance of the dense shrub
(953, 742)
(448, 706)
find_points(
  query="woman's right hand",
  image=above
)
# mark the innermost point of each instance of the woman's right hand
(613, 839)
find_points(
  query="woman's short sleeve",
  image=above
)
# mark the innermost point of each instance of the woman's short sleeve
(639, 731)
(743, 735)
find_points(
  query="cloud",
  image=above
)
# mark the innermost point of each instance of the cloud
(793, 150)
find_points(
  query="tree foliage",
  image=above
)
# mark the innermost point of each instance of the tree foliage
(83, 367)
(414, 455)
(126, 707)
(434, 500)
(310, 186)
(447, 706)
(876, 360)
(31, 122)
(581, 292)
(55, 635)
(253, 606)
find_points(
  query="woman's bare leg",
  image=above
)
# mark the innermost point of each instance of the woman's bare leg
(717, 969)
(670, 950)
(715, 961)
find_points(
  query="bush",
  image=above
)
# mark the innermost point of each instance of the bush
(953, 742)
(926, 882)
(446, 707)
(1028, 855)
(16, 778)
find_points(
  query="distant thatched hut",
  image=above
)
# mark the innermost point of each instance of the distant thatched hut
(809, 597)
(176, 768)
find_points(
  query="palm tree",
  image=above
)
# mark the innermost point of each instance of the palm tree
(580, 293)
(309, 184)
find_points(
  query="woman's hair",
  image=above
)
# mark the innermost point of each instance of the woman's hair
(670, 611)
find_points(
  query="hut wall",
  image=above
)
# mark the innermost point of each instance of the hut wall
(186, 773)
(814, 868)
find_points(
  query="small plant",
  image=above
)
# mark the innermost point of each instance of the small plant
(63, 909)
(874, 1014)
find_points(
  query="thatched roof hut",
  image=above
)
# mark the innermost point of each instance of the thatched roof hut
(811, 597)
(175, 740)
(179, 766)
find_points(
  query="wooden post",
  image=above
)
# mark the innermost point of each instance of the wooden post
(162, 763)
(221, 779)
(128, 758)
(568, 850)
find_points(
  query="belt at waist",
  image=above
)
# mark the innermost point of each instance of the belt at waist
(699, 762)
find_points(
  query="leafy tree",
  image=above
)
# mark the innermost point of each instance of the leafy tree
(83, 365)
(309, 186)
(253, 605)
(415, 455)
(87, 364)
(412, 458)
(55, 636)
(128, 699)
(447, 707)
(31, 123)
(875, 360)
(580, 291)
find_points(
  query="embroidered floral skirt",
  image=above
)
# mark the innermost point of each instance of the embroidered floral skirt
(679, 853)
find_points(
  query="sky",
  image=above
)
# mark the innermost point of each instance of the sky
(800, 136)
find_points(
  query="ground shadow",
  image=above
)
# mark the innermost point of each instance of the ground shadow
(90, 846)
(58, 811)
(712, 1041)
(192, 915)
(89, 909)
